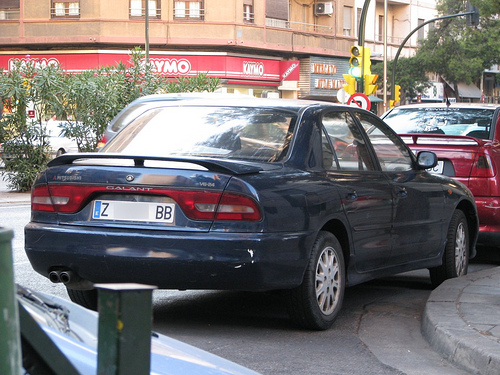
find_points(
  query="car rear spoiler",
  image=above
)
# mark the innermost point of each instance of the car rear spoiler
(441, 139)
(214, 165)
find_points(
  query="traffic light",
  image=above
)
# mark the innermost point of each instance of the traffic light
(355, 61)
(397, 94)
(367, 63)
(350, 87)
(397, 90)
(370, 83)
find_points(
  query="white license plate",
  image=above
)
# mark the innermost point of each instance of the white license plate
(438, 168)
(134, 211)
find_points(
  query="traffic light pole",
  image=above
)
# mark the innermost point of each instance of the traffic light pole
(408, 37)
(361, 41)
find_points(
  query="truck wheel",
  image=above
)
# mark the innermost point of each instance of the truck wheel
(316, 303)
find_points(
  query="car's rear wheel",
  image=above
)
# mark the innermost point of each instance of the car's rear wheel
(316, 303)
(60, 152)
(456, 252)
(85, 298)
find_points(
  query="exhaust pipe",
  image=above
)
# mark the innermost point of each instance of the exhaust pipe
(67, 277)
(55, 276)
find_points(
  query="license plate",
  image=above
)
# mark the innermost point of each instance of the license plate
(134, 211)
(438, 168)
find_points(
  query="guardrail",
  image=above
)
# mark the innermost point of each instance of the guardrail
(124, 334)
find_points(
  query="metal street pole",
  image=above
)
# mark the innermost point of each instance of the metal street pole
(385, 57)
(146, 44)
(408, 37)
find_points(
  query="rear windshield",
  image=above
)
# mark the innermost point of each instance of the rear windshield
(474, 122)
(252, 134)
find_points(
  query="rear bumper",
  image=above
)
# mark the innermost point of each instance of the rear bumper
(225, 261)
(488, 209)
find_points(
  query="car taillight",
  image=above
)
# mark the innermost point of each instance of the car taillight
(59, 198)
(196, 205)
(482, 166)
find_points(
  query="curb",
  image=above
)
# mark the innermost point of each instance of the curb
(449, 334)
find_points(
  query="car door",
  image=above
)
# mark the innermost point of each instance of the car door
(364, 190)
(418, 203)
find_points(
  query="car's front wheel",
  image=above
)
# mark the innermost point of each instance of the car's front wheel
(456, 252)
(85, 298)
(316, 303)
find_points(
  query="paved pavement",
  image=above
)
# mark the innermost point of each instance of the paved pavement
(461, 318)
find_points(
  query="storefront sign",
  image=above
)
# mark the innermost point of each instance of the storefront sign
(322, 76)
(171, 65)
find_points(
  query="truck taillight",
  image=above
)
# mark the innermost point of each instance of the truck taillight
(482, 166)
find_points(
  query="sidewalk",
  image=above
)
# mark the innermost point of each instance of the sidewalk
(8, 197)
(461, 319)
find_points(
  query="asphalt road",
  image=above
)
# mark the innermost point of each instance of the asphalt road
(378, 331)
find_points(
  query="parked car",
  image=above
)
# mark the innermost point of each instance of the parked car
(74, 330)
(58, 144)
(466, 139)
(249, 194)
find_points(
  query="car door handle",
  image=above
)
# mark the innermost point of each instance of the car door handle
(401, 192)
(352, 196)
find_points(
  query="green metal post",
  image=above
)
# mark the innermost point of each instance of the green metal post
(125, 323)
(10, 338)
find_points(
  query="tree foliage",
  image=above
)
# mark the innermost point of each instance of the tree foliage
(458, 52)
(410, 75)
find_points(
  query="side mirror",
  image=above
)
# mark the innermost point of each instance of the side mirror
(426, 159)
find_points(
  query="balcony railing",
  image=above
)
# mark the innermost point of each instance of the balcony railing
(299, 26)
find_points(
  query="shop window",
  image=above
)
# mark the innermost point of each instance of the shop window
(189, 10)
(138, 8)
(248, 15)
(65, 9)
(9, 9)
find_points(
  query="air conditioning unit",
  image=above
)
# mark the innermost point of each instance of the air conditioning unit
(321, 9)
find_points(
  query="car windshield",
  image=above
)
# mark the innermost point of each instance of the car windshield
(475, 122)
(253, 134)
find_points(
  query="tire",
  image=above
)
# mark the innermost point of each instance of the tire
(85, 298)
(316, 303)
(456, 252)
(60, 152)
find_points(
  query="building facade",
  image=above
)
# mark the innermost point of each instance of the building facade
(282, 48)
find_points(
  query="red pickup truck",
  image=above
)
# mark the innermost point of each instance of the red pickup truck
(466, 139)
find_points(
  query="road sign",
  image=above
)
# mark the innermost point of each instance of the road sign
(360, 100)
(342, 96)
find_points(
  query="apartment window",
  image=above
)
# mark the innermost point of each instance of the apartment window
(65, 9)
(189, 10)
(9, 9)
(277, 13)
(248, 15)
(420, 32)
(347, 21)
(138, 8)
(358, 18)
(380, 36)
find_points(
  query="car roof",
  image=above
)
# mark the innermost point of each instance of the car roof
(189, 99)
(452, 105)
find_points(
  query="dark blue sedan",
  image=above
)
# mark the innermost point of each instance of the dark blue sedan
(249, 194)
